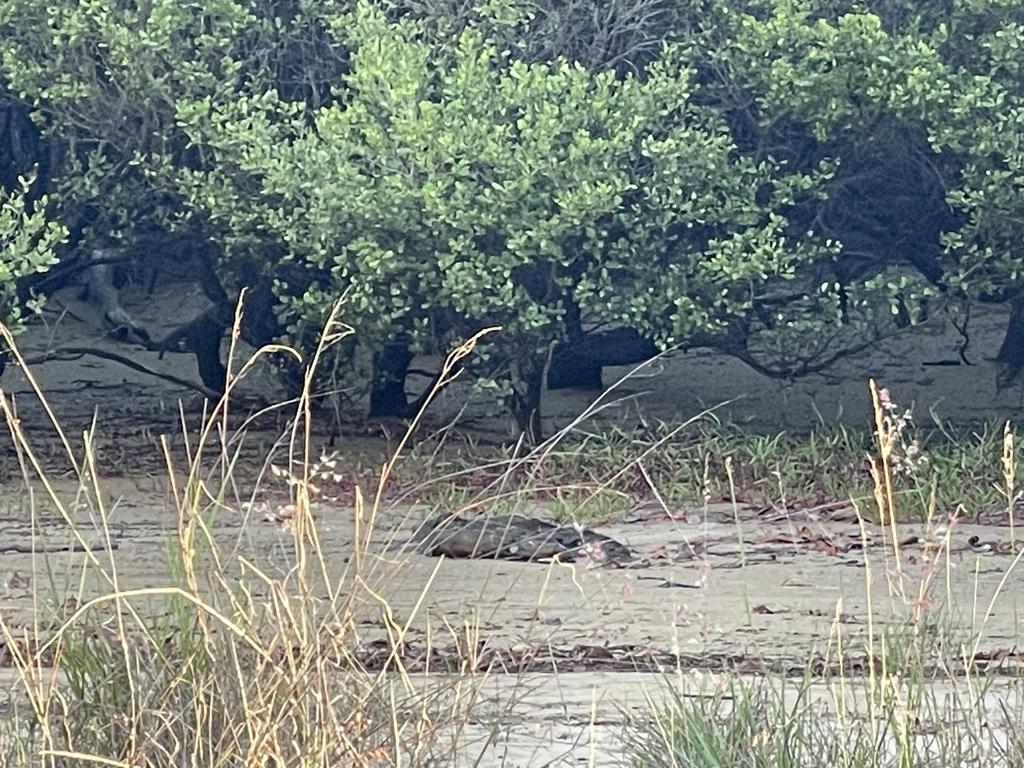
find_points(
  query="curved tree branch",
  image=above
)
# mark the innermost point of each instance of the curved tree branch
(74, 353)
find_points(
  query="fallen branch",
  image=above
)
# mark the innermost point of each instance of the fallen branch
(74, 353)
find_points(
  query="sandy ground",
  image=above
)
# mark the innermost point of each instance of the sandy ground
(572, 647)
(751, 590)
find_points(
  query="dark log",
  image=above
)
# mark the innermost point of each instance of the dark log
(515, 537)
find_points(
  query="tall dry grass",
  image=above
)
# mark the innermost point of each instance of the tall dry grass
(222, 662)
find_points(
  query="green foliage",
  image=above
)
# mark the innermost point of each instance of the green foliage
(103, 79)
(986, 127)
(784, 180)
(27, 242)
(455, 187)
(898, 92)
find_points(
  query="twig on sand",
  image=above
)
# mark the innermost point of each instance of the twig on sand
(45, 547)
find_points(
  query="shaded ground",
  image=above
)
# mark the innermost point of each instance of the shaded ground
(922, 366)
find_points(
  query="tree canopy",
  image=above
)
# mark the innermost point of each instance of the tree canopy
(783, 180)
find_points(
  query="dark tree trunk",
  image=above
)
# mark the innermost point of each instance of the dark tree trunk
(22, 148)
(578, 364)
(261, 327)
(1011, 353)
(525, 400)
(571, 371)
(390, 368)
(259, 324)
(202, 337)
(207, 352)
